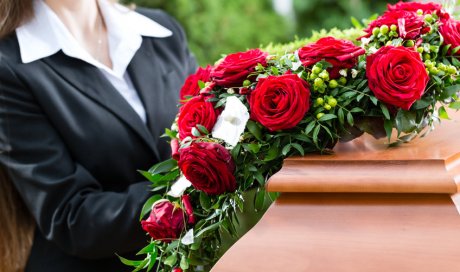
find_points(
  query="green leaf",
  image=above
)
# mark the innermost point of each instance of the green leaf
(253, 148)
(148, 249)
(405, 121)
(196, 132)
(286, 149)
(315, 134)
(350, 119)
(443, 113)
(455, 50)
(255, 129)
(421, 104)
(205, 201)
(208, 229)
(450, 91)
(388, 125)
(327, 117)
(299, 148)
(163, 167)
(455, 105)
(201, 84)
(341, 116)
(445, 49)
(171, 260)
(148, 205)
(272, 153)
(310, 127)
(385, 111)
(202, 129)
(141, 265)
(260, 178)
(184, 263)
(374, 100)
(127, 262)
(356, 23)
(259, 199)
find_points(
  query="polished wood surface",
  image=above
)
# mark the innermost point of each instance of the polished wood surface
(369, 165)
(351, 233)
(367, 207)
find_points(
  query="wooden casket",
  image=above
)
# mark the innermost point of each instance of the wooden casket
(367, 207)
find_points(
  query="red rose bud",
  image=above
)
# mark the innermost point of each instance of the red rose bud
(450, 31)
(410, 25)
(235, 68)
(188, 209)
(165, 223)
(396, 76)
(342, 54)
(177, 269)
(191, 86)
(196, 111)
(209, 167)
(279, 102)
(175, 149)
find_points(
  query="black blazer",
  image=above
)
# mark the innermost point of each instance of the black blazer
(72, 145)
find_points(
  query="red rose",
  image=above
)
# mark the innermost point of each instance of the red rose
(197, 111)
(340, 53)
(188, 209)
(414, 6)
(165, 223)
(177, 269)
(209, 167)
(191, 87)
(396, 76)
(450, 31)
(409, 25)
(235, 68)
(279, 102)
(175, 149)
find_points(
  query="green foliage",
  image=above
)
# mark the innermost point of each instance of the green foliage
(221, 27)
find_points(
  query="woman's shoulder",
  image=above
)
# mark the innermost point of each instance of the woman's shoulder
(9, 49)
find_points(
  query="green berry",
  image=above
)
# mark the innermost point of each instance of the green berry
(318, 82)
(434, 70)
(410, 43)
(333, 84)
(428, 18)
(319, 101)
(327, 107)
(331, 101)
(419, 12)
(375, 31)
(441, 66)
(393, 27)
(316, 70)
(246, 83)
(313, 76)
(324, 75)
(342, 81)
(384, 29)
(420, 49)
(451, 69)
(426, 56)
(319, 115)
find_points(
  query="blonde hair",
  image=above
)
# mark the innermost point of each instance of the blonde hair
(13, 13)
(16, 227)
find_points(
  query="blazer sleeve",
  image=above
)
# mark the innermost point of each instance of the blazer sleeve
(67, 203)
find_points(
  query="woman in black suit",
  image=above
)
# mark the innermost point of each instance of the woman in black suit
(86, 90)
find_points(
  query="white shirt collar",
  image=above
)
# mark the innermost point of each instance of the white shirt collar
(45, 35)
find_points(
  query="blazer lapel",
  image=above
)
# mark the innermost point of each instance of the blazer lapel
(91, 82)
(146, 76)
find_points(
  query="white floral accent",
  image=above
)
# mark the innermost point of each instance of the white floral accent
(231, 122)
(179, 187)
(188, 238)
(354, 73)
(343, 72)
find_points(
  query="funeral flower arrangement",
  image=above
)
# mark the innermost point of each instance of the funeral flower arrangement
(241, 117)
